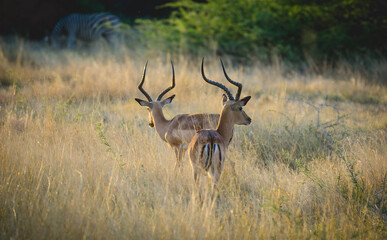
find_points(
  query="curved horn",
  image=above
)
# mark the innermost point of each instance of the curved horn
(239, 85)
(216, 83)
(142, 82)
(173, 84)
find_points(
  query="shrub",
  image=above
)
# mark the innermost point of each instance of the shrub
(295, 30)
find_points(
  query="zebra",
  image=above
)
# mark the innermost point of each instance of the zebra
(86, 27)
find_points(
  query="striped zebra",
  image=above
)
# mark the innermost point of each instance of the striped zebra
(86, 27)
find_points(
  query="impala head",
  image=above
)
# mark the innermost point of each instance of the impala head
(155, 106)
(232, 107)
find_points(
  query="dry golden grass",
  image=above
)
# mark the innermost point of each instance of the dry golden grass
(78, 160)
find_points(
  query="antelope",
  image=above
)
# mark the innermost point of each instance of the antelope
(207, 149)
(178, 131)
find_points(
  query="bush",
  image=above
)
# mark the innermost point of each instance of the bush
(294, 30)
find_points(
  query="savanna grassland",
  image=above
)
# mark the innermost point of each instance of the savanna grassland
(78, 160)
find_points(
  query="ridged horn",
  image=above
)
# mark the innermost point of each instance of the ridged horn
(239, 85)
(142, 82)
(224, 88)
(173, 84)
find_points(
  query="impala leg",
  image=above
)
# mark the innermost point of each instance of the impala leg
(196, 176)
(214, 184)
(178, 158)
(183, 150)
(176, 150)
(197, 187)
(214, 194)
(218, 169)
(179, 152)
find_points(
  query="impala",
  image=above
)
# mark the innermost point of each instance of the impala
(178, 131)
(207, 150)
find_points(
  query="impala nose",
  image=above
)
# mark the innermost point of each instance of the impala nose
(248, 121)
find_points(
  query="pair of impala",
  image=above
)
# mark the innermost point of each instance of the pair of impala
(206, 148)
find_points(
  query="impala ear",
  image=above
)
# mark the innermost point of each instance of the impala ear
(224, 99)
(244, 100)
(167, 100)
(143, 102)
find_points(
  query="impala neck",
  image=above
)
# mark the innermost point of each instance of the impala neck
(226, 126)
(161, 123)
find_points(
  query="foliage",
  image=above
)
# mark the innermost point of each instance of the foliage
(292, 29)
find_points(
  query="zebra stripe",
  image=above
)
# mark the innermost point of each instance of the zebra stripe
(87, 27)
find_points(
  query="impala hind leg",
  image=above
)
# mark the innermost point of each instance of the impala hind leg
(197, 186)
(196, 176)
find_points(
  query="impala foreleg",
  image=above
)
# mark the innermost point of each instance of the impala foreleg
(179, 156)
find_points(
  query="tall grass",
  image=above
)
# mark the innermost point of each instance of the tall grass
(78, 160)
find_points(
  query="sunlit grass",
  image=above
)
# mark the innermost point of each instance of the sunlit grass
(78, 160)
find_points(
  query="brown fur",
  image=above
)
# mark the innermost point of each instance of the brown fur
(178, 131)
(198, 157)
(231, 114)
(183, 127)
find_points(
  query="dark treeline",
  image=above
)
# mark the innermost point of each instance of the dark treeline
(35, 18)
(293, 30)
